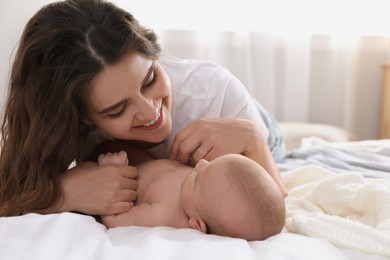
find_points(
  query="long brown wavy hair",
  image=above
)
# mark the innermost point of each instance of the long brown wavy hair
(62, 48)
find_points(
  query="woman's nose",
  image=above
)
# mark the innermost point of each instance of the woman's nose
(147, 109)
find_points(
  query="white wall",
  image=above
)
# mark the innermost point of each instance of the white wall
(14, 14)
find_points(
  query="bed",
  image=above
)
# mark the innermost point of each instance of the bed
(338, 207)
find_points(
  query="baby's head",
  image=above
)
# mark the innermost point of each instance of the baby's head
(233, 196)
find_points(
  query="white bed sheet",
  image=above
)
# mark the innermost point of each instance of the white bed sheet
(74, 236)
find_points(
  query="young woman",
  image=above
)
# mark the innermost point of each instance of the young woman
(86, 71)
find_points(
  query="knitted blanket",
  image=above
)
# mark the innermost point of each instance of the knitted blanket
(347, 209)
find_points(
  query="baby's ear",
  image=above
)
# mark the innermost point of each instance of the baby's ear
(198, 223)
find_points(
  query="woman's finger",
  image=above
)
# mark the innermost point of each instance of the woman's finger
(120, 207)
(128, 172)
(129, 184)
(187, 149)
(200, 153)
(180, 137)
(188, 146)
(214, 153)
(126, 196)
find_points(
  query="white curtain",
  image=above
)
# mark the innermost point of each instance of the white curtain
(316, 61)
(313, 61)
(305, 78)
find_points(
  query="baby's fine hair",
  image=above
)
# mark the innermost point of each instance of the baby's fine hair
(258, 199)
(62, 48)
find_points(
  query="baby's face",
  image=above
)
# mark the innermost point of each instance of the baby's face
(204, 178)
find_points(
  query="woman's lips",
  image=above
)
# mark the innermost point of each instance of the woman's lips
(155, 123)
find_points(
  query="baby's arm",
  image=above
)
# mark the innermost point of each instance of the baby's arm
(145, 214)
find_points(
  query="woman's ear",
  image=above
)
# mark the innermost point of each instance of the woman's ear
(198, 223)
(87, 121)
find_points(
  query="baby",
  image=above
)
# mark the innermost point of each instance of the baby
(229, 196)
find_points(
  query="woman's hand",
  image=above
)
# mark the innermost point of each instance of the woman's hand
(209, 138)
(99, 190)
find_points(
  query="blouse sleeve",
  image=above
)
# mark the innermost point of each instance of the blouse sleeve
(238, 103)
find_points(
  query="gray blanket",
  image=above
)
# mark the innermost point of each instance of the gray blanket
(371, 158)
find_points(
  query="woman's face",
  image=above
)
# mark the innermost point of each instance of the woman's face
(132, 100)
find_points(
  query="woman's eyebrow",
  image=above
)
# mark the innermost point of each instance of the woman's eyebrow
(110, 108)
(151, 69)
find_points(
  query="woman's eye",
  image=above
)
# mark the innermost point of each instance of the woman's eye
(116, 115)
(151, 82)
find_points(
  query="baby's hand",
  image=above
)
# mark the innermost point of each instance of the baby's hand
(113, 159)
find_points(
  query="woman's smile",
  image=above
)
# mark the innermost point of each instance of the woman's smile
(155, 123)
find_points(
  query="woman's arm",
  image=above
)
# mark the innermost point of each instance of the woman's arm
(89, 189)
(260, 152)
